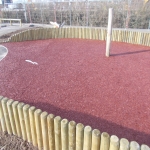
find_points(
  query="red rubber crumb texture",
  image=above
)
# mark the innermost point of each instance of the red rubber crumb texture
(75, 80)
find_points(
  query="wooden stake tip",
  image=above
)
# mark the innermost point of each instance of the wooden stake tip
(44, 114)
(38, 111)
(25, 107)
(114, 139)
(88, 129)
(134, 145)
(96, 132)
(4, 100)
(105, 135)
(20, 105)
(57, 118)
(64, 121)
(50, 116)
(145, 147)
(80, 126)
(9, 102)
(72, 123)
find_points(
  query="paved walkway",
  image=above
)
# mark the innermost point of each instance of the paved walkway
(6, 28)
(3, 52)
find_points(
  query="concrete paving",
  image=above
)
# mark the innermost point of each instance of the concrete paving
(3, 52)
(7, 28)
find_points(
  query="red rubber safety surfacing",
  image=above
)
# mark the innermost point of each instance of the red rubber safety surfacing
(75, 80)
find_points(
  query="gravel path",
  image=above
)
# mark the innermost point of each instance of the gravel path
(74, 79)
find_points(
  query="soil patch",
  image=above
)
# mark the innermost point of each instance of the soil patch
(12, 142)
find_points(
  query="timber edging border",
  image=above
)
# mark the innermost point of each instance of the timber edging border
(132, 37)
(49, 132)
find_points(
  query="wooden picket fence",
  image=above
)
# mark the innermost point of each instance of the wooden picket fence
(49, 132)
(133, 37)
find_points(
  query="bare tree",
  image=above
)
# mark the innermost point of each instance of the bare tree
(126, 13)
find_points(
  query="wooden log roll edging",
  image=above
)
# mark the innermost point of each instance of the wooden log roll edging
(48, 132)
(118, 35)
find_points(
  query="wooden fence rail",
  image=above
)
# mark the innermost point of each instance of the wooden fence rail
(133, 37)
(49, 132)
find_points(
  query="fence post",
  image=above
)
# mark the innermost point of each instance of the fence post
(22, 121)
(11, 116)
(37, 114)
(144, 147)
(27, 121)
(87, 138)
(57, 128)
(105, 141)
(95, 139)
(114, 143)
(44, 130)
(72, 135)
(32, 125)
(124, 144)
(51, 135)
(79, 136)
(64, 134)
(2, 119)
(6, 116)
(109, 33)
(16, 117)
(134, 145)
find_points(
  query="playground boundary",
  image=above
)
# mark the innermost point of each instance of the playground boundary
(49, 132)
(118, 35)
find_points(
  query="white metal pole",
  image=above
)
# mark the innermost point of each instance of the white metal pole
(109, 33)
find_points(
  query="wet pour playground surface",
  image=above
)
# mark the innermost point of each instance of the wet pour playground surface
(73, 78)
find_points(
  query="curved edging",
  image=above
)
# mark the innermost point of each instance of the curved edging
(133, 37)
(46, 131)
(3, 52)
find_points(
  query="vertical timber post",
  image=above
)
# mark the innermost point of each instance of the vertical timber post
(57, 132)
(64, 134)
(72, 135)
(96, 139)
(124, 144)
(87, 138)
(114, 143)
(105, 141)
(50, 124)
(109, 33)
(79, 136)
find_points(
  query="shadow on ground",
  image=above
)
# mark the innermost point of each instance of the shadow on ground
(96, 123)
(129, 53)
